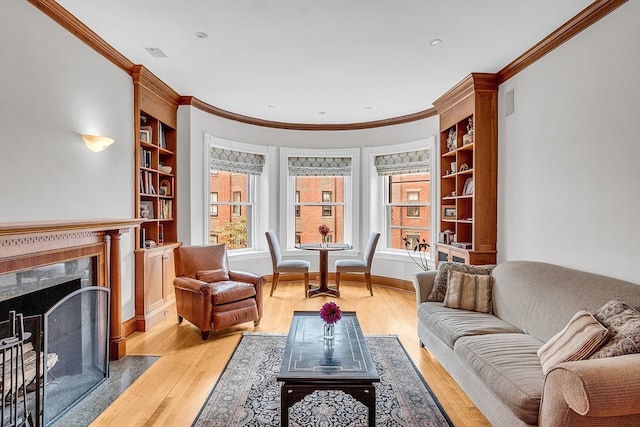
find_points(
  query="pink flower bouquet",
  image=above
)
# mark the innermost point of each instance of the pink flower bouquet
(330, 312)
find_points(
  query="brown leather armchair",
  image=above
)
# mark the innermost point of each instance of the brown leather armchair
(209, 294)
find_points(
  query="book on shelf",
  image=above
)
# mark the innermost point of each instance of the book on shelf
(146, 183)
(162, 143)
(165, 209)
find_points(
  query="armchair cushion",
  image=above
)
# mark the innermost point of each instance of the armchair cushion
(228, 291)
(218, 275)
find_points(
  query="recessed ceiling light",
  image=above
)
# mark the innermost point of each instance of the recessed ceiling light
(367, 108)
(322, 112)
(435, 42)
(271, 107)
(201, 35)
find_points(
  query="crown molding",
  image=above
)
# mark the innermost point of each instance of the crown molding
(591, 14)
(473, 83)
(201, 105)
(76, 27)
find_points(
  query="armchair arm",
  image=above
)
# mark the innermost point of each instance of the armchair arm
(254, 279)
(608, 387)
(423, 283)
(245, 276)
(192, 285)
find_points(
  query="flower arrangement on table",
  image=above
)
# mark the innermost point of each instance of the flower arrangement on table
(330, 313)
(324, 230)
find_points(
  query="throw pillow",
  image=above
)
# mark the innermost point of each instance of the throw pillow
(209, 276)
(439, 289)
(469, 292)
(623, 323)
(581, 337)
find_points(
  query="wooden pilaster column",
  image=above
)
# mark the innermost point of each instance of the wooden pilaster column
(117, 343)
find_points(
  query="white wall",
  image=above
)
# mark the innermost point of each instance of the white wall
(569, 158)
(192, 175)
(52, 89)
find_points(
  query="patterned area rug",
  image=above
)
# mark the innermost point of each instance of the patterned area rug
(247, 393)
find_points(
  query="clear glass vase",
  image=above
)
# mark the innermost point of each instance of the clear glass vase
(324, 241)
(329, 333)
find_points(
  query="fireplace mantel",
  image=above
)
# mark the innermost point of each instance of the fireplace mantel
(26, 245)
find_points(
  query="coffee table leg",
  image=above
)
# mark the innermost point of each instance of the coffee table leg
(284, 406)
(372, 406)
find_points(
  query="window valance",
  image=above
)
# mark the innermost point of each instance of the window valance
(235, 161)
(319, 166)
(403, 163)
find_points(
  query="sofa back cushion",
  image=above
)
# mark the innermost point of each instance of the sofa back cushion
(540, 298)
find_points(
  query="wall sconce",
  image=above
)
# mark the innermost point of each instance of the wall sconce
(97, 143)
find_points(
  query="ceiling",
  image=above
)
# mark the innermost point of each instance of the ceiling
(322, 61)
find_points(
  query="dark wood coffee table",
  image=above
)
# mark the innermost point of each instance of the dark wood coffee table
(311, 363)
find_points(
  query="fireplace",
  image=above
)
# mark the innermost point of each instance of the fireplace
(71, 271)
(26, 246)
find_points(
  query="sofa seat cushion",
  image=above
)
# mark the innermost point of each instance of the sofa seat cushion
(230, 291)
(509, 365)
(449, 324)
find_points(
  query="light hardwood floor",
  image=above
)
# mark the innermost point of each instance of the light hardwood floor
(171, 392)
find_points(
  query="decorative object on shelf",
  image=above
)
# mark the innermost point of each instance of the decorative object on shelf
(468, 187)
(324, 230)
(97, 143)
(451, 140)
(453, 167)
(146, 209)
(165, 169)
(421, 248)
(165, 188)
(448, 212)
(145, 135)
(330, 313)
(446, 237)
(468, 138)
(464, 167)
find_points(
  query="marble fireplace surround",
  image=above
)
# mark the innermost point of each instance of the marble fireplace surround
(27, 245)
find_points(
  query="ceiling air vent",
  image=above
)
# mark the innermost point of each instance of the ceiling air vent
(155, 52)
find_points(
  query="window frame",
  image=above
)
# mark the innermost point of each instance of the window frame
(262, 207)
(376, 201)
(287, 187)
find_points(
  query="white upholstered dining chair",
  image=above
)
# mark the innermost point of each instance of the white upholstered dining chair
(285, 266)
(359, 265)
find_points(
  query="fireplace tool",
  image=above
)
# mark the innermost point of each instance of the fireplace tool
(13, 388)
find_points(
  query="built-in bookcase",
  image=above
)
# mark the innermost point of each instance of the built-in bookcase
(156, 139)
(468, 171)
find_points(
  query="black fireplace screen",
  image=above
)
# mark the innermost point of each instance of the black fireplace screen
(76, 349)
